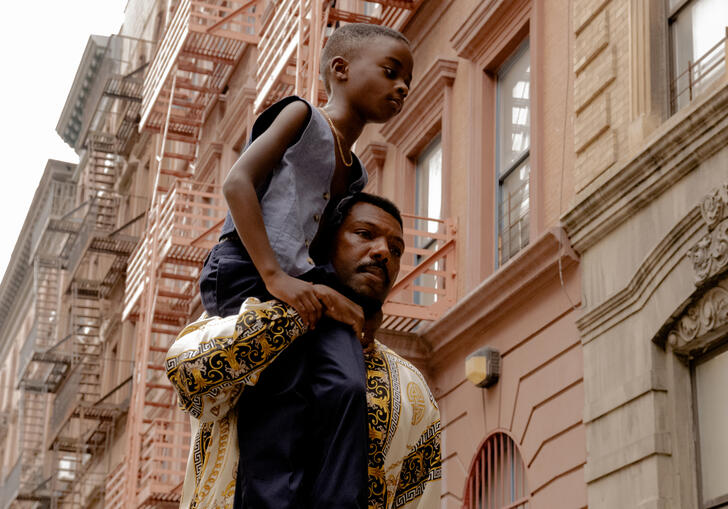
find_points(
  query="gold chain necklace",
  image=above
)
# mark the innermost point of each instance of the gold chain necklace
(337, 135)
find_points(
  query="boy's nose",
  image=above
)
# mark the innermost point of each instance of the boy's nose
(403, 89)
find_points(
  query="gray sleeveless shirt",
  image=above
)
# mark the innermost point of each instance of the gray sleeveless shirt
(296, 193)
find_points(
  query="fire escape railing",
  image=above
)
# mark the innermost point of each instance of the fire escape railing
(427, 286)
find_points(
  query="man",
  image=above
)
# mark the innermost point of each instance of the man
(214, 359)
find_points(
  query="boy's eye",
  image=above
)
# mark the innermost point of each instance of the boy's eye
(389, 72)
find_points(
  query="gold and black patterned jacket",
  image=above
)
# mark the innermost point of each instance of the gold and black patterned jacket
(212, 361)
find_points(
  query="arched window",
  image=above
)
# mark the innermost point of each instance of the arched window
(497, 478)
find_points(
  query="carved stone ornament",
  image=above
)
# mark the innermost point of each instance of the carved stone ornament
(710, 254)
(705, 316)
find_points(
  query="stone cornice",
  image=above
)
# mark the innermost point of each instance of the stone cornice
(675, 149)
(484, 26)
(426, 98)
(210, 155)
(650, 274)
(507, 288)
(373, 155)
(238, 108)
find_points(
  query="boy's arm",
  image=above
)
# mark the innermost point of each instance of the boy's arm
(212, 360)
(250, 171)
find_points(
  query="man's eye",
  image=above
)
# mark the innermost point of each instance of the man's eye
(364, 233)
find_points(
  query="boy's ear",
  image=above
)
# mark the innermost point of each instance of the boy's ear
(339, 69)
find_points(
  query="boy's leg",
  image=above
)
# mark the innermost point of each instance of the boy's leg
(338, 445)
(272, 433)
(228, 277)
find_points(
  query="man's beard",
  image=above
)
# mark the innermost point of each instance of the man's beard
(369, 305)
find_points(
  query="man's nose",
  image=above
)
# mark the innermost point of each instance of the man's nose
(379, 249)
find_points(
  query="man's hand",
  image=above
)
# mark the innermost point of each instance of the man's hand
(339, 308)
(299, 294)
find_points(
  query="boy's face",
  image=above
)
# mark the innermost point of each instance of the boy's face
(379, 76)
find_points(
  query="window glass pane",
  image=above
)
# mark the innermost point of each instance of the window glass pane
(695, 31)
(428, 182)
(428, 203)
(513, 212)
(711, 380)
(514, 111)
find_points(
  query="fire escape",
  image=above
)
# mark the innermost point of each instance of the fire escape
(41, 366)
(95, 257)
(202, 44)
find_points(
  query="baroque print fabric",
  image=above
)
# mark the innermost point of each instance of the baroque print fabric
(213, 359)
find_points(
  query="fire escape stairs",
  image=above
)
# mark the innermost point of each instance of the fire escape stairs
(202, 44)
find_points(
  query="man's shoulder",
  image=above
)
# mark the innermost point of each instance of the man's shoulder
(405, 369)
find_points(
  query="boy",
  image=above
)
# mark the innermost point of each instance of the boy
(289, 181)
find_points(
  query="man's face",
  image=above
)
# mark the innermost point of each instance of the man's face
(367, 250)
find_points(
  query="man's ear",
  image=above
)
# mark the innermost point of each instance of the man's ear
(339, 68)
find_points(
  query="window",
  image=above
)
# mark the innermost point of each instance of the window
(513, 141)
(428, 204)
(710, 376)
(428, 183)
(697, 39)
(497, 478)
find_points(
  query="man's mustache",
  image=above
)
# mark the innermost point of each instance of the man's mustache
(380, 265)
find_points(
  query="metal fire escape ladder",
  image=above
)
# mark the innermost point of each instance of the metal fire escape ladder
(293, 36)
(198, 52)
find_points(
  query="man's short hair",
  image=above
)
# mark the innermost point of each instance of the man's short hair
(378, 201)
(322, 252)
(347, 40)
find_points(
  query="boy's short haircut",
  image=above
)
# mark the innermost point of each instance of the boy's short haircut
(347, 40)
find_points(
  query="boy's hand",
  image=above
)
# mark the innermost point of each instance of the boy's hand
(299, 294)
(339, 308)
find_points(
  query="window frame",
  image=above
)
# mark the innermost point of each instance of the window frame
(671, 15)
(711, 353)
(473, 474)
(523, 46)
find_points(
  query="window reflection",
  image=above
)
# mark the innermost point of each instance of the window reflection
(698, 56)
(512, 158)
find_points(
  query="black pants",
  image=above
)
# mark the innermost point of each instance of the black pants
(302, 429)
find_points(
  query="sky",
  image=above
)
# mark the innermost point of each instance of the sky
(41, 46)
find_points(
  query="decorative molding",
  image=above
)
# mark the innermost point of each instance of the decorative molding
(701, 324)
(507, 288)
(238, 114)
(675, 149)
(490, 25)
(648, 276)
(205, 165)
(710, 254)
(424, 102)
(373, 155)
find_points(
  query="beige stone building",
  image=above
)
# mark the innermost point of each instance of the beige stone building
(648, 220)
(563, 182)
